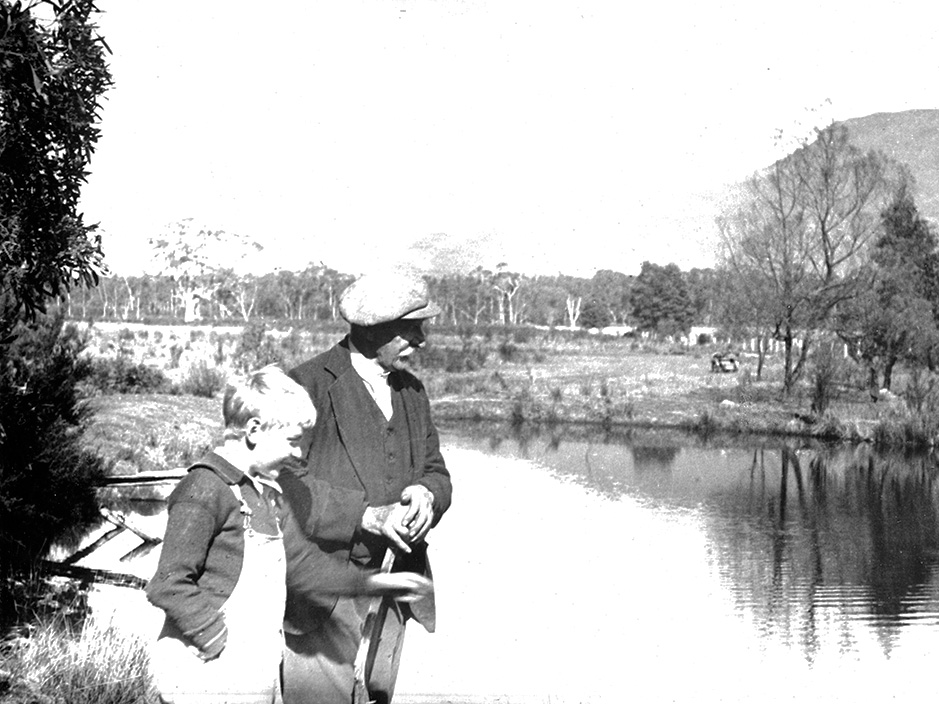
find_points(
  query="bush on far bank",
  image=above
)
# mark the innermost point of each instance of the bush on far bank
(119, 375)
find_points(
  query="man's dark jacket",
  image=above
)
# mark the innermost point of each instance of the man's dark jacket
(348, 452)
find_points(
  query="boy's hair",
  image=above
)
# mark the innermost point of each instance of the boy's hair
(269, 395)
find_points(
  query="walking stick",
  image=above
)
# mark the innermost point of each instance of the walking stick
(371, 634)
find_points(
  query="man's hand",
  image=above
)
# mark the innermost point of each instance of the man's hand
(420, 511)
(401, 586)
(387, 521)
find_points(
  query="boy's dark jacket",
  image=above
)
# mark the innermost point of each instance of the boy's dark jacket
(348, 454)
(202, 553)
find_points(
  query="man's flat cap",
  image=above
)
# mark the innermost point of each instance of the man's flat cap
(382, 297)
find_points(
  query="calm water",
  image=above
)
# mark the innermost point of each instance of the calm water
(655, 567)
(796, 530)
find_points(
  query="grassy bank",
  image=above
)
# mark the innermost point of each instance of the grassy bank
(543, 379)
(621, 383)
(524, 375)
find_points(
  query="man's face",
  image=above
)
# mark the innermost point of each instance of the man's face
(274, 447)
(396, 341)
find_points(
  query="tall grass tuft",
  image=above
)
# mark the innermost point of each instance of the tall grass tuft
(99, 663)
(914, 431)
(706, 422)
(831, 427)
(607, 410)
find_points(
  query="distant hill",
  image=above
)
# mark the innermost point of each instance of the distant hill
(910, 137)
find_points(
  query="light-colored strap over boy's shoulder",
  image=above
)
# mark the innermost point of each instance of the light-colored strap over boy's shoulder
(244, 508)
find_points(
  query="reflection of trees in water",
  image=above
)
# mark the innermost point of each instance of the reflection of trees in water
(654, 458)
(653, 451)
(845, 536)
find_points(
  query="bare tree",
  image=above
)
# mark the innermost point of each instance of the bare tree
(801, 233)
(573, 310)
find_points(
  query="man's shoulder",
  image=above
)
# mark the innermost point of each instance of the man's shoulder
(326, 364)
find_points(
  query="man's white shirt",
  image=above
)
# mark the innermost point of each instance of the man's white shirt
(375, 379)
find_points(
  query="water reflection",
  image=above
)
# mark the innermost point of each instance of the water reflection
(818, 545)
(845, 535)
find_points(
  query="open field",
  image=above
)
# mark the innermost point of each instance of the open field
(143, 433)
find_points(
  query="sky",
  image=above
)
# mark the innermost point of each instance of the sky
(553, 137)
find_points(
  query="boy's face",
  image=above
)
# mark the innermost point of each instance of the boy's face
(274, 446)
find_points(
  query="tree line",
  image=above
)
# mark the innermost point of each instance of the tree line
(660, 298)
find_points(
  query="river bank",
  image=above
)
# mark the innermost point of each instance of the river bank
(605, 386)
(524, 375)
(616, 386)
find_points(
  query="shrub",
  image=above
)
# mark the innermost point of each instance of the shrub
(121, 376)
(509, 352)
(176, 353)
(49, 478)
(203, 380)
(824, 379)
(523, 335)
(470, 357)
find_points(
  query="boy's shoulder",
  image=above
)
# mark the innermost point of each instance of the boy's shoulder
(206, 480)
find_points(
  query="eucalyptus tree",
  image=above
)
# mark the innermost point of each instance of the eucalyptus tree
(200, 261)
(506, 285)
(53, 74)
(611, 291)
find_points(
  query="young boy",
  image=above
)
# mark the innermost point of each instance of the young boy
(222, 573)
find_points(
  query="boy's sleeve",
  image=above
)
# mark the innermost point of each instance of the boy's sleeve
(315, 576)
(191, 525)
(330, 514)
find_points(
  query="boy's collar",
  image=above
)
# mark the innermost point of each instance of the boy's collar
(222, 467)
(232, 475)
(258, 480)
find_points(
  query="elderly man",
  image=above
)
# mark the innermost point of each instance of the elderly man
(375, 445)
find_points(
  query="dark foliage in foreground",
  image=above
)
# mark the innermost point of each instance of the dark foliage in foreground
(47, 479)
